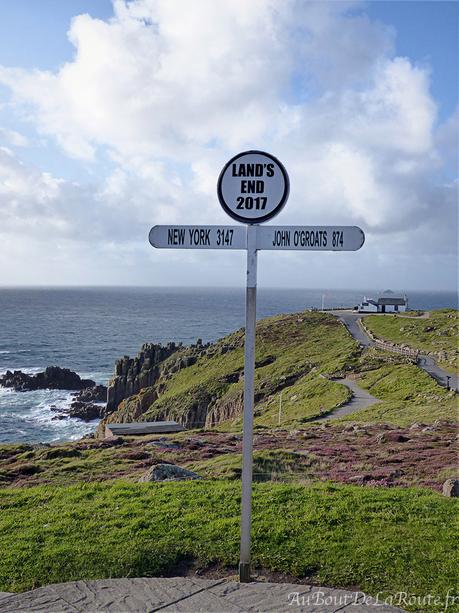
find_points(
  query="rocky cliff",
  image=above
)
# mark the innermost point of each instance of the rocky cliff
(202, 385)
(137, 382)
(133, 374)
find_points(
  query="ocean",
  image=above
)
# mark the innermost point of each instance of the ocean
(87, 329)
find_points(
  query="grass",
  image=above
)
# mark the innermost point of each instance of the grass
(437, 333)
(59, 465)
(381, 540)
(269, 465)
(292, 350)
(407, 395)
(307, 398)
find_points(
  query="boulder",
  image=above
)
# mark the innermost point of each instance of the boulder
(164, 443)
(451, 488)
(87, 411)
(98, 393)
(391, 437)
(168, 472)
(53, 378)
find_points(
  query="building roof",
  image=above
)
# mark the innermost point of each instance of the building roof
(145, 427)
(367, 301)
(394, 301)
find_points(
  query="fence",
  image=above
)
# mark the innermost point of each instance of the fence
(412, 353)
(408, 351)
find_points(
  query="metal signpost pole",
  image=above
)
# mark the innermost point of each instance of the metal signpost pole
(249, 385)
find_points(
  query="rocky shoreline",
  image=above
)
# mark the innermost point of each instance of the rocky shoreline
(52, 378)
(89, 399)
(87, 404)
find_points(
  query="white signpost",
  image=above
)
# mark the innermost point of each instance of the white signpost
(252, 188)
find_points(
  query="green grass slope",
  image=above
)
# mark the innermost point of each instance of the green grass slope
(291, 351)
(379, 540)
(407, 395)
(437, 333)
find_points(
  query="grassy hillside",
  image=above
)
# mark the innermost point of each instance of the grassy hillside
(407, 395)
(375, 539)
(291, 351)
(437, 333)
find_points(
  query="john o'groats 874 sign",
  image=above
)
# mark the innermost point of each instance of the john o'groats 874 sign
(253, 187)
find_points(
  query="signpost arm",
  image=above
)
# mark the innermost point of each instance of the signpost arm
(249, 384)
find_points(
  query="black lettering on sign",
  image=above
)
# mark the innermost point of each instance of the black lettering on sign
(224, 237)
(200, 237)
(252, 170)
(281, 238)
(252, 187)
(175, 236)
(248, 202)
(337, 239)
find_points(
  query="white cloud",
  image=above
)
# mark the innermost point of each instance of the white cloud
(13, 138)
(170, 89)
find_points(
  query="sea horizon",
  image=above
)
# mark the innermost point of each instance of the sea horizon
(227, 287)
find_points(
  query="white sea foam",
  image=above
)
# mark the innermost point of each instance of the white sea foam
(29, 416)
(27, 370)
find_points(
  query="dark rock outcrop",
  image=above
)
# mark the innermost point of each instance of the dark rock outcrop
(53, 378)
(87, 411)
(98, 393)
(152, 362)
(133, 374)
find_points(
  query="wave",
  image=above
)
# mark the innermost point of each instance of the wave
(27, 370)
(29, 417)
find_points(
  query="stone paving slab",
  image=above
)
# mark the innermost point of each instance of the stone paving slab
(187, 595)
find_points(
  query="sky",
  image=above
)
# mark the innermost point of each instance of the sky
(117, 116)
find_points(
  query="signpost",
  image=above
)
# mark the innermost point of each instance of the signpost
(253, 187)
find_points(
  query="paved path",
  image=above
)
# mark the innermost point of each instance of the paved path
(350, 319)
(431, 367)
(361, 399)
(187, 595)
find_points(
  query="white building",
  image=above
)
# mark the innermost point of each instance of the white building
(384, 304)
(368, 306)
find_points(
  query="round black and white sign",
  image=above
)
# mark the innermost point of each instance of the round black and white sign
(253, 187)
